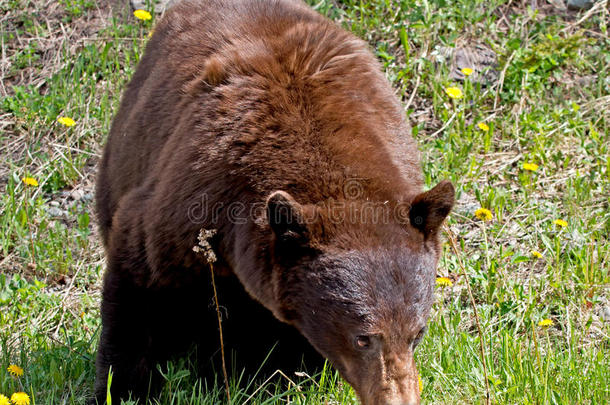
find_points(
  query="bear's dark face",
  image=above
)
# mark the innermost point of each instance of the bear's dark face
(364, 308)
(366, 312)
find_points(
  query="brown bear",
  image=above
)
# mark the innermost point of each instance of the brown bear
(270, 125)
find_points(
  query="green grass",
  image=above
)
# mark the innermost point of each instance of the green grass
(552, 109)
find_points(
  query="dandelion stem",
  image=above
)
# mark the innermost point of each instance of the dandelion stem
(546, 372)
(222, 346)
(25, 210)
(476, 314)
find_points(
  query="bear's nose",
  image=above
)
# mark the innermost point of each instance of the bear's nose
(402, 402)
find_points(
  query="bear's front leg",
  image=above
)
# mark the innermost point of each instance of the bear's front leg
(127, 344)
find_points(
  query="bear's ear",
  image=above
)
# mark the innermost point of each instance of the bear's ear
(429, 209)
(215, 71)
(286, 218)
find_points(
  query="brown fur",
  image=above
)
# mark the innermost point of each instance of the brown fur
(265, 104)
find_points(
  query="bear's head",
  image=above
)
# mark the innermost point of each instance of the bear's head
(360, 286)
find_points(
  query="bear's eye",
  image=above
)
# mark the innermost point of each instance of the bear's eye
(363, 342)
(419, 336)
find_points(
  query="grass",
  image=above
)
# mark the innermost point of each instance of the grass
(550, 107)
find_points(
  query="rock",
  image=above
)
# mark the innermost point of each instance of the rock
(56, 211)
(77, 194)
(467, 205)
(586, 80)
(481, 59)
(159, 5)
(580, 4)
(605, 313)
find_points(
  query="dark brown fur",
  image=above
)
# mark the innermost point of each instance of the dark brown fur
(264, 106)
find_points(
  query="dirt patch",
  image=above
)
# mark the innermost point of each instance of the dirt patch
(35, 34)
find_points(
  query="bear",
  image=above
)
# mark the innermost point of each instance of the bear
(266, 135)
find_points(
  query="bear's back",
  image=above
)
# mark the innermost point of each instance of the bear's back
(254, 97)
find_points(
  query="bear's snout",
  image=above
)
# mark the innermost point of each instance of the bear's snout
(401, 402)
(395, 382)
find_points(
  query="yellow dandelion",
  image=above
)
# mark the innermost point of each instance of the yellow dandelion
(20, 398)
(30, 181)
(454, 92)
(4, 400)
(444, 282)
(142, 15)
(15, 370)
(67, 121)
(536, 254)
(545, 323)
(532, 167)
(467, 71)
(483, 126)
(560, 222)
(483, 214)
(421, 384)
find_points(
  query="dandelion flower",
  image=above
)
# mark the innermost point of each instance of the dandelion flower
(20, 398)
(421, 384)
(532, 167)
(15, 370)
(67, 121)
(4, 400)
(454, 92)
(30, 181)
(560, 222)
(467, 71)
(536, 254)
(142, 15)
(545, 323)
(483, 214)
(483, 126)
(444, 282)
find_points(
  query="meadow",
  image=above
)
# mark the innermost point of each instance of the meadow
(522, 314)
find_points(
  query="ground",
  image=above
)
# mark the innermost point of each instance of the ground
(545, 102)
